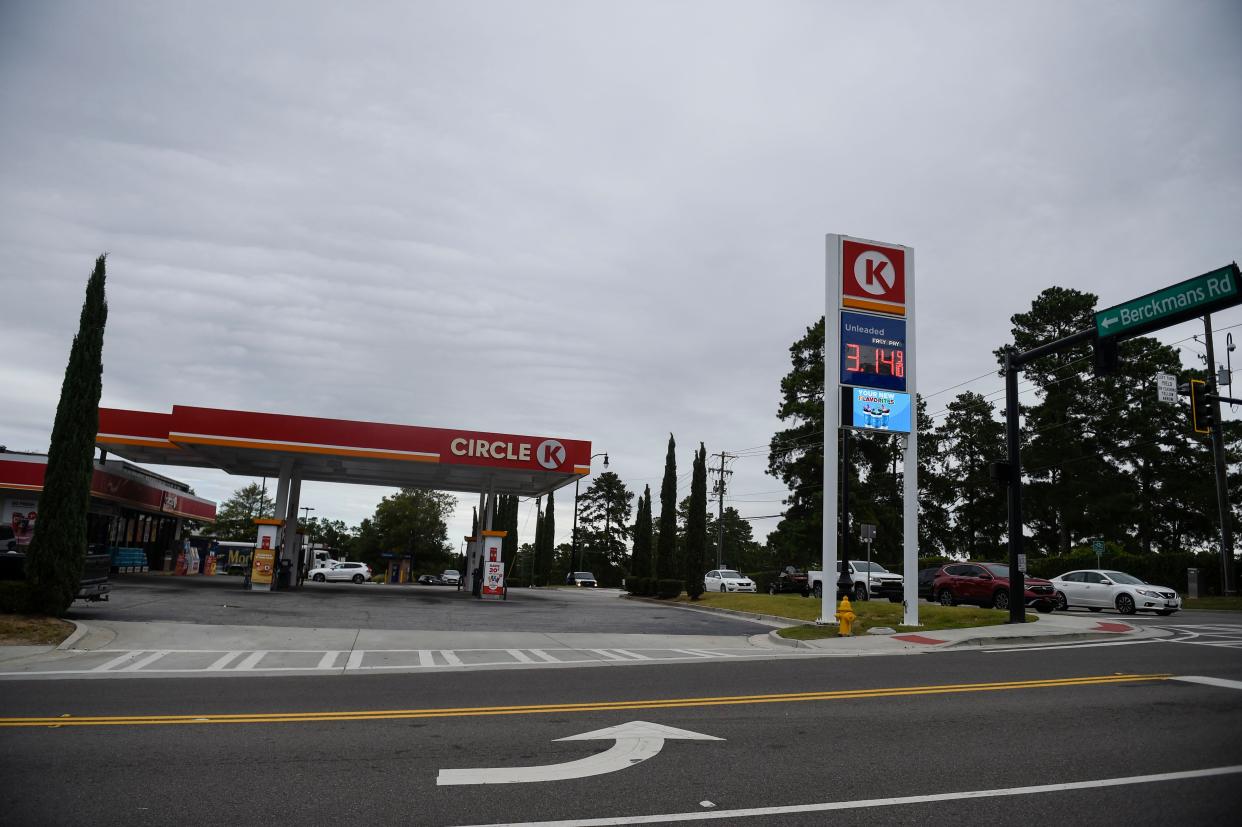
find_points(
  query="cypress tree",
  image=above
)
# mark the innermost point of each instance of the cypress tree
(696, 525)
(636, 554)
(540, 577)
(57, 553)
(666, 549)
(642, 564)
(549, 536)
(508, 522)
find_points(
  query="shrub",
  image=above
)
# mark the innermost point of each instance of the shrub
(668, 588)
(14, 597)
(763, 579)
(694, 588)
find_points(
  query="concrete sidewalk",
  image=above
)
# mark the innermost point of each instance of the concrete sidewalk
(102, 649)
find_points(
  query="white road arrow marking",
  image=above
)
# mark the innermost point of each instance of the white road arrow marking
(635, 742)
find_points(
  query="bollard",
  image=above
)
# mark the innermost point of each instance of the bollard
(845, 617)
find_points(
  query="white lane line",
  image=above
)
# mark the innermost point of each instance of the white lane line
(829, 806)
(250, 662)
(117, 661)
(520, 656)
(544, 656)
(634, 655)
(149, 659)
(1209, 681)
(450, 658)
(355, 659)
(222, 661)
(328, 661)
(425, 658)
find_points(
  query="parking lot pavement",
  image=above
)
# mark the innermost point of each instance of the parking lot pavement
(220, 600)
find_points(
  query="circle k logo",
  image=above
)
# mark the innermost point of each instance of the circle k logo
(874, 272)
(551, 454)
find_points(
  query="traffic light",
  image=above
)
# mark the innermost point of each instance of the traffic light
(1106, 359)
(1200, 408)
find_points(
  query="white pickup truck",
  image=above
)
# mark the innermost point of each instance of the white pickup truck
(870, 580)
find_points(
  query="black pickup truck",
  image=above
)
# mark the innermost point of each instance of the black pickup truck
(94, 584)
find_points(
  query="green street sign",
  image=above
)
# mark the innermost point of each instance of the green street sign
(1192, 298)
(1097, 546)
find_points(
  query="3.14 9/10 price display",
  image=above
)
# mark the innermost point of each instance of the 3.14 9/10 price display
(873, 351)
(877, 360)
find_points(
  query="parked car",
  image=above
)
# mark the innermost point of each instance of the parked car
(727, 580)
(451, 577)
(926, 577)
(789, 580)
(1098, 589)
(430, 580)
(357, 572)
(987, 585)
(580, 578)
(869, 579)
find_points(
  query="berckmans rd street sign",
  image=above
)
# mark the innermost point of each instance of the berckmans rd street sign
(1188, 300)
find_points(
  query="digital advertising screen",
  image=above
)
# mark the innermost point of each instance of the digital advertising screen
(876, 410)
(873, 351)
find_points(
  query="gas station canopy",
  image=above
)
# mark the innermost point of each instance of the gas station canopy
(335, 450)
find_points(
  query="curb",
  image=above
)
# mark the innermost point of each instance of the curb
(80, 631)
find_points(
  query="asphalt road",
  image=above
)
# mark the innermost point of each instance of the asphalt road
(221, 600)
(893, 738)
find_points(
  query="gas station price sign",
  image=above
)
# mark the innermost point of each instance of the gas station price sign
(873, 351)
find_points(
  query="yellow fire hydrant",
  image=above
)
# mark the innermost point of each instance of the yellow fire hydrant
(845, 617)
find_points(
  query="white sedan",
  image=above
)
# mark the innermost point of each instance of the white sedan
(1097, 589)
(357, 572)
(725, 580)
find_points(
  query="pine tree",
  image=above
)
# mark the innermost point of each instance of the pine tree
(57, 553)
(666, 543)
(696, 526)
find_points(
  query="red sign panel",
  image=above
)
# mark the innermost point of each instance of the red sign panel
(873, 277)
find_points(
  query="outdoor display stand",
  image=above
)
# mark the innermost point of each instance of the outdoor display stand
(493, 565)
(263, 562)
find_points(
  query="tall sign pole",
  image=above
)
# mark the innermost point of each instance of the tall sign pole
(869, 384)
(910, 481)
(832, 424)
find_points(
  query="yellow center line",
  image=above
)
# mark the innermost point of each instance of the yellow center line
(543, 709)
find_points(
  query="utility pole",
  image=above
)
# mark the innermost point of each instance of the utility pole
(720, 495)
(1218, 459)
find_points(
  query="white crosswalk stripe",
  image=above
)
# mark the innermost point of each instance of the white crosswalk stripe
(190, 661)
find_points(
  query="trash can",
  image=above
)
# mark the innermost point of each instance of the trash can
(1194, 583)
(283, 576)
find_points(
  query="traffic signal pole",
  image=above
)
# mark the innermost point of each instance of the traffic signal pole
(1014, 361)
(1218, 459)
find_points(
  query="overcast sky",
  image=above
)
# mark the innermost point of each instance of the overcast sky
(602, 221)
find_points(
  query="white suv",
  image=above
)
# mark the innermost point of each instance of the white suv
(357, 572)
(727, 580)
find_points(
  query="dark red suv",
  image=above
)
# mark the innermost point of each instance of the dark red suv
(987, 585)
